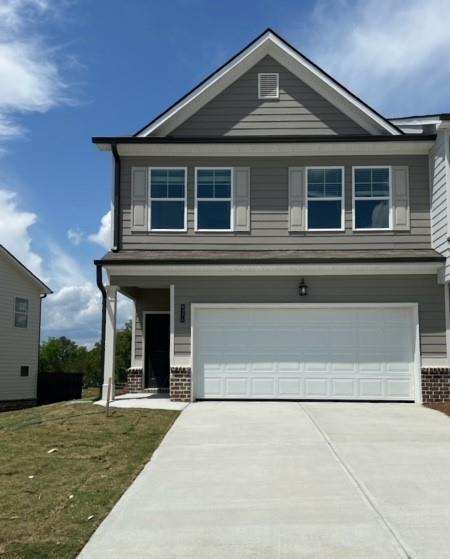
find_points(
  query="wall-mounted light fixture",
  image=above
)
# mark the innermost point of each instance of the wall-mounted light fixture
(302, 288)
(182, 313)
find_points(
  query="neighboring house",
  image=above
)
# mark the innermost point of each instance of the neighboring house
(280, 239)
(21, 293)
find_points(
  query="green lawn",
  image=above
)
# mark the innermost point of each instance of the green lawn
(52, 502)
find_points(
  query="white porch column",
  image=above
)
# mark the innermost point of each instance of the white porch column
(110, 340)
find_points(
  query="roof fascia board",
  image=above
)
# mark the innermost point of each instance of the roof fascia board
(274, 149)
(347, 269)
(25, 271)
(416, 121)
(330, 89)
(271, 44)
(204, 93)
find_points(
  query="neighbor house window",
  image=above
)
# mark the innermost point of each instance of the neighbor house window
(24, 371)
(214, 199)
(325, 198)
(21, 313)
(372, 192)
(167, 199)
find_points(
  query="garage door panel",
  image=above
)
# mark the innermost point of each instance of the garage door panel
(344, 388)
(316, 387)
(347, 353)
(371, 388)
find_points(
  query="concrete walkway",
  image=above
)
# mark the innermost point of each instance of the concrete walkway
(144, 401)
(283, 480)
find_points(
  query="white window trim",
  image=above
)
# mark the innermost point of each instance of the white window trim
(271, 97)
(390, 228)
(328, 198)
(150, 199)
(26, 314)
(230, 199)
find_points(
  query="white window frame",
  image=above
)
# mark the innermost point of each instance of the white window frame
(150, 199)
(354, 198)
(328, 198)
(272, 97)
(26, 314)
(230, 199)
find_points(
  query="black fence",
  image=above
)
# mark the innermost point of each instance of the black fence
(58, 387)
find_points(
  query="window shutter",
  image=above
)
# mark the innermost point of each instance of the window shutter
(296, 198)
(139, 198)
(241, 198)
(400, 198)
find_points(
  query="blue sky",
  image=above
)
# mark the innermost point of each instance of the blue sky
(73, 69)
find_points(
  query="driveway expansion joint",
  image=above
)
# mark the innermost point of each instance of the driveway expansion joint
(362, 489)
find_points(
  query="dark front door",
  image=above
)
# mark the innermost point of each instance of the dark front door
(157, 344)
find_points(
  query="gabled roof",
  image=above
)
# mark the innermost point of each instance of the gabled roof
(269, 43)
(17, 264)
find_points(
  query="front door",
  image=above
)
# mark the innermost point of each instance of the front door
(157, 348)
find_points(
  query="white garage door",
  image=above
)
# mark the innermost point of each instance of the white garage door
(312, 352)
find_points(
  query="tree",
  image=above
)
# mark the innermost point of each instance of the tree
(61, 355)
(123, 352)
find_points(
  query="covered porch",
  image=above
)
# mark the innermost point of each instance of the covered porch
(152, 346)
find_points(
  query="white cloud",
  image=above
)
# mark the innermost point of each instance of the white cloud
(103, 235)
(14, 234)
(75, 236)
(395, 54)
(74, 309)
(29, 74)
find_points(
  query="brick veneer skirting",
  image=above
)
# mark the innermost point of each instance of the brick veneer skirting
(135, 381)
(180, 384)
(436, 385)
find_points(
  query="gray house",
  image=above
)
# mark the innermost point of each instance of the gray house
(21, 293)
(281, 239)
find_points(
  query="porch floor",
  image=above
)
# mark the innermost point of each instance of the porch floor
(145, 400)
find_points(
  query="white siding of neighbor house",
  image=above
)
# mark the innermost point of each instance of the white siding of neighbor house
(18, 346)
(440, 185)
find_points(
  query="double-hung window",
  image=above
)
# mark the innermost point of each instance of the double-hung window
(21, 313)
(214, 195)
(372, 197)
(167, 199)
(325, 198)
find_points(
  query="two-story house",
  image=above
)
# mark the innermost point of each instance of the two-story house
(21, 294)
(280, 239)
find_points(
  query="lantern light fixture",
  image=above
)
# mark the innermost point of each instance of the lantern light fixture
(302, 288)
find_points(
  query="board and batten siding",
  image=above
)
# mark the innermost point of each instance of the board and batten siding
(422, 289)
(237, 111)
(440, 188)
(269, 227)
(18, 346)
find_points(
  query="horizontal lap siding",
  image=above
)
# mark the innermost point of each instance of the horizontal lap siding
(339, 289)
(18, 346)
(269, 207)
(237, 111)
(438, 177)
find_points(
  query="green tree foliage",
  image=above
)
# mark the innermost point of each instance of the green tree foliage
(64, 355)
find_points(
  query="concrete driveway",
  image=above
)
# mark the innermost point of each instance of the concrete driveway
(289, 480)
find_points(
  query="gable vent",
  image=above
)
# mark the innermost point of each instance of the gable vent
(268, 86)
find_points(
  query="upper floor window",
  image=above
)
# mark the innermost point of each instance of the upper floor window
(167, 199)
(325, 198)
(214, 199)
(21, 313)
(372, 195)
